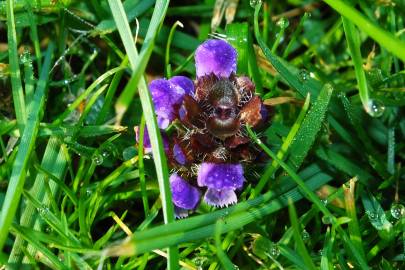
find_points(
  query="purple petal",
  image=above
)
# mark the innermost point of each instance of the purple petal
(184, 195)
(215, 56)
(180, 212)
(162, 100)
(264, 112)
(220, 175)
(146, 141)
(220, 198)
(182, 84)
(179, 155)
(166, 94)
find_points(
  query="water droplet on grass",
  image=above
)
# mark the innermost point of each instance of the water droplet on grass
(397, 210)
(304, 75)
(97, 159)
(283, 23)
(254, 3)
(326, 220)
(274, 251)
(372, 215)
(305, 236)
(43, 210)
(25, 57)
(375, 108)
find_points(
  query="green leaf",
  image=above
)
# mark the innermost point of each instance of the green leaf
(310, 127)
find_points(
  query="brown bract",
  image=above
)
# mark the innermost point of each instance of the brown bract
(215, 119)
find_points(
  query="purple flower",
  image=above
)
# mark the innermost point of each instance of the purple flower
(221, 180)
(212, 113)
(185, 196)
(166, 95)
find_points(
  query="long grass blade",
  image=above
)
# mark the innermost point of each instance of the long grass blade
(27, 144)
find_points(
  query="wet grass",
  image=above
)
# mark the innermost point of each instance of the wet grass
(78, 192)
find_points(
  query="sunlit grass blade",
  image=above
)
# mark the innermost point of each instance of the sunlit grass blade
(27, 144)
(203, 226)
(381, 36)
(353, 42)
(16, 85)
(138, 63)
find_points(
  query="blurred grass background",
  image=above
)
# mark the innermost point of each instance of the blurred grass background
(74, 184)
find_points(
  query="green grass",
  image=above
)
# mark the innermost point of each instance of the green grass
(78, 192)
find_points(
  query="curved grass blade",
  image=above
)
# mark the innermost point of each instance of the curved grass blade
(203, 226)
(353, 42)
(138, 64)
(278, 64)
(381, 36)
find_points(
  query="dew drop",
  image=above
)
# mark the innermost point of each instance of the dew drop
(305, 236)
(97, 159)
(324, 201)
(375, 108)
(105, 154)
(283, 23)
(25, 57)
(372, 215)
(397, 210)
(88, 192)
(274, 251)
(304, 75)
(326, 220)
(254, 3)
(43, 210)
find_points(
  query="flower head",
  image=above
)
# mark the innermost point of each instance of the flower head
(212, 113)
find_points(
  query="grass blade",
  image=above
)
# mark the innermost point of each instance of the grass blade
(27, 143)
(353, 42)
(139, 62)
(381, 36)
(16, 85)
(297, 231)
(310, 127)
